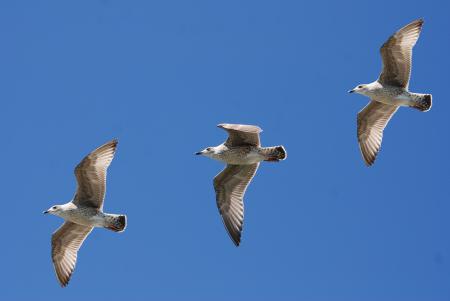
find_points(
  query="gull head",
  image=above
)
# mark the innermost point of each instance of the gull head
(55, 210)
(208, 152)
(360, 89)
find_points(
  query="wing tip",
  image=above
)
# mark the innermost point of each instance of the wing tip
(64, 283)
(62, 279)
(238, 127)
(418, 24)
(110, 145)
(414, 25)
(419, 21)
(235, 238)
(369, 159)
(233, 233)
(113, 142)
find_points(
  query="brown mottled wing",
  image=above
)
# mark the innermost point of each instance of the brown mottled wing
(241, 134)
(66, 241)
(91, 176)
(396, 54)
(230, 186)
(371, 123)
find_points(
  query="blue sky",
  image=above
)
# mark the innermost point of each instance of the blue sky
(159, 76)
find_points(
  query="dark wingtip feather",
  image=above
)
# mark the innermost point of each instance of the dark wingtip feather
(113, 142)
(234, 234)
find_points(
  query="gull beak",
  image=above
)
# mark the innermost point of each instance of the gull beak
(351, 91)
(45, 212)
(198, 153)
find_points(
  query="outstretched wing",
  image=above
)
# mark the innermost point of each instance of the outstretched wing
(230, 186)
(371, 123)
(91, 176)
(241, 134)
(396, 53)
(66, 241)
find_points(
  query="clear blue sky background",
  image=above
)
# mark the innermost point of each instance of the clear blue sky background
(159, 76)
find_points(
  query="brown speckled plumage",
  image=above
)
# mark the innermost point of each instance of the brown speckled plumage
(242, 152)
(390, 91)
(85, 212)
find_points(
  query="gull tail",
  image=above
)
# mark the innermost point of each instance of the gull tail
(422, 102)
(116, 223)
(274, 153)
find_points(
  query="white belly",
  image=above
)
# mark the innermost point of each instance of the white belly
(253, 158)
(399, 100)
(85, 220)
(403, 100)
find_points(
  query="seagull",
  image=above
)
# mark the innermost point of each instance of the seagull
(389, 91)
(84, 212)
(242, 152)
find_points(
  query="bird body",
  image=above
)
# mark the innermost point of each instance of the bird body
(243, 155)
(390, 91)
(242, 152)
(392, 95)
(89, 216)
(84, 212)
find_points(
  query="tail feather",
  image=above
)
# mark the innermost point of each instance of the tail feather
(423, 102)
(275, 153)
(117, 223)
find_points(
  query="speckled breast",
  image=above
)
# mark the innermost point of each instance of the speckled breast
(85, 216)
(241, 155)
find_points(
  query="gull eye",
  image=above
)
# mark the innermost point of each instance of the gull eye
(208, 149)
(54, 207)
(360, 86)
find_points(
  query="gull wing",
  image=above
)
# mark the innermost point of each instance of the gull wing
(241, 134)
(91, 176)
(66, 241)
(371, 123)
(230, 186)
(396, 54)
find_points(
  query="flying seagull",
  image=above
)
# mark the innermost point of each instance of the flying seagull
(84, 212)
(389, 91)
(242, 152)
